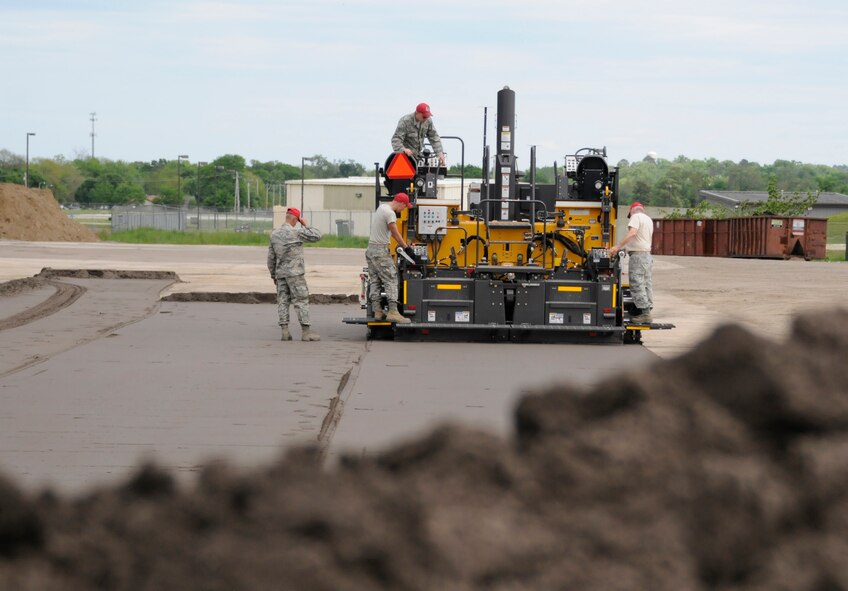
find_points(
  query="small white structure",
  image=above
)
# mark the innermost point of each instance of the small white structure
(355, 193)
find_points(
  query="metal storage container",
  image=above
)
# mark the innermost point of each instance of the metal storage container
(777, 237)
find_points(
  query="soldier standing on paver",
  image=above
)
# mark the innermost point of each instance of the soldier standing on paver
(285, 263)
(411, 131)
(640, 233)
(381, 267)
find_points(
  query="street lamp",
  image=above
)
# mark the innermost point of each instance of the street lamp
(26, 177)
(197, 192)
(303, 160)
(179, 189)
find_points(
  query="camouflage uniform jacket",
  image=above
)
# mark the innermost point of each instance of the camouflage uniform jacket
(285, 253)
(410, 134)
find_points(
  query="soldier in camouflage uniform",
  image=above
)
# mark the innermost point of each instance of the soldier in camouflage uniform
(411, 131)
(285, 263)
(382, 271)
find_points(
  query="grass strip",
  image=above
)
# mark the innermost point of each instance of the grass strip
(226, 238)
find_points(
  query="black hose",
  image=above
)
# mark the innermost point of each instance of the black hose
(465, 244)
(564, 240)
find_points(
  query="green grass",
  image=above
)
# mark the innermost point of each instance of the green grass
(837, 226)
(228, 238)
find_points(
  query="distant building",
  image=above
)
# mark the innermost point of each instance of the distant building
(354, 193)
(827, 205)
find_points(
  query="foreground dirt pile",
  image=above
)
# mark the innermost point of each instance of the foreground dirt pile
(725, 469)
(33, 214)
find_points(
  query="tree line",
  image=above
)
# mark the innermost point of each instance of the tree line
(665, 183)
(95, 181)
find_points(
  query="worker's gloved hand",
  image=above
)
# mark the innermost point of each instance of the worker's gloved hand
(411, 254)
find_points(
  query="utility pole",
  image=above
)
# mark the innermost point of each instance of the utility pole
(237, 200)
(93, 119)
(179, 179)
(26, 178)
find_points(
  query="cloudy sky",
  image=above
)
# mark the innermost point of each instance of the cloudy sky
(731, 79)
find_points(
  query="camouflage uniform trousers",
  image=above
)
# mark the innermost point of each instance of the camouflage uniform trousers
(383, 274)
(641, 283)
(293, 290)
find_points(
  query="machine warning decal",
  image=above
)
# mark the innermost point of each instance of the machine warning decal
(462, 316)
(431, 315)
(587, 318)
(556, 318)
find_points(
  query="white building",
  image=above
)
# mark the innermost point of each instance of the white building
(344, 206)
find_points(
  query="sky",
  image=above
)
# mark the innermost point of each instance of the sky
(727, 79)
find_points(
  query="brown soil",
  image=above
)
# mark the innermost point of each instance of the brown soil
(33, 214)
(725, 469)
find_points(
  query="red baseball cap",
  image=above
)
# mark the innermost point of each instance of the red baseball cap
(424, 109)
(633, 206)
(293, 211)
(403, 198)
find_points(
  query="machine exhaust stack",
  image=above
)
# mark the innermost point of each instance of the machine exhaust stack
(505, 154)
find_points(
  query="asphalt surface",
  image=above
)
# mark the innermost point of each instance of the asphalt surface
(89, 390)
(399, 390)
(93, 388)
(185, 383)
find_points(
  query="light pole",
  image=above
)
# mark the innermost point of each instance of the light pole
(197, 192)
(303, 160)
(26, 176)
(179, 188)
(93, 119)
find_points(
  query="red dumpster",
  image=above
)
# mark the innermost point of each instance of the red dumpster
(716, 237)
(775, 237)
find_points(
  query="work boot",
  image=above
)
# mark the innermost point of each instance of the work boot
(395, 316)
(644, 317)
(378, 313)
(308, 335)
(286, 334)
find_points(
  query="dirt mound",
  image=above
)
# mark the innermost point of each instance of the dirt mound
(49, 273)
(33, 214)
(725, 469)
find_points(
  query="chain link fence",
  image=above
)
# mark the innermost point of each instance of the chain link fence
(160, 217)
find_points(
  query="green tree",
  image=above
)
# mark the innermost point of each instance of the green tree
(108, 182)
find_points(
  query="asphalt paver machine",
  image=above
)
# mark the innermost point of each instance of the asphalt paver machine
(514, 260)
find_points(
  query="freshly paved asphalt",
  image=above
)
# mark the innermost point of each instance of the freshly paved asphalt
(117, 376)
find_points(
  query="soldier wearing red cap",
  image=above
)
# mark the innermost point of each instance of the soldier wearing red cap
(285, 263)
(381, 266)
(411, 131)
(640, 233)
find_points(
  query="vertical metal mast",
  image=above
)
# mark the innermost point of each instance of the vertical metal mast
(93, 119)
(505, 158)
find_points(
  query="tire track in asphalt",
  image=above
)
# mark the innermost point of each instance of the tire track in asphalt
(65, 295)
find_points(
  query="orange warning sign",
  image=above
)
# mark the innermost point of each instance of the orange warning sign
(401, 167)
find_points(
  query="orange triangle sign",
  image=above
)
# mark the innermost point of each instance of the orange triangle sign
(401, 167)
